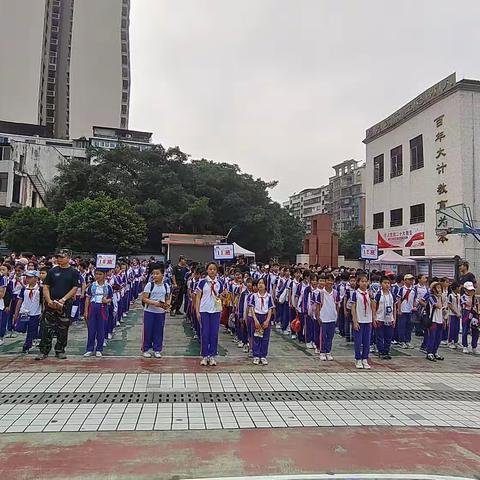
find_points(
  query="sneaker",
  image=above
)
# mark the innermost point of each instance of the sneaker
(109, 336)
(310, 345)
(403, 345)
(475, 351)
(41, 356)
(452, 346)
(366, 366)
(88, 354)
(264, 361)
(294, 337)
(195, 336)
(25, 352)
(317, 351)
(465, 350)
(98, 354)
(245, 348)
(286, 332)
(212, 362)
(204, 361)
(117, 324)
(394, 342)
(147, 354)
(423, 350)
(157, 355)
(439, 357)
(323, 357)
(256, 361)
(329, 357)
(358, 364)
(408, 345)
(2, 341)
(104, 344)
(431, 357)
(278, 326)
(240, 345)
(443, 343)
(61, 355)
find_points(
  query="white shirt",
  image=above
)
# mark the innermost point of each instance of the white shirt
(31, 305)
(363, 307)
(159, 293)
(328, 311)
(210, 290)
(261, 303)
(385, 307)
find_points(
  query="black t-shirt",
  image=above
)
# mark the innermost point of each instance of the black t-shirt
(61, 281)
(244, 268)
(468, 277)
(179, 274)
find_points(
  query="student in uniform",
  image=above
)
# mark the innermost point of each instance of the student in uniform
(362, 316)
(98, 297)
(302, 302)
(455, 311)
(311, 311)
(4, 280)
(282, 292)
(346, 306)
(156, 299)
(438, 323)
(470, 317)
(420, 291)
(29, 308)
(242, 313)
(328, 303)
(296, 275)
(384, 318)
(341, 290)
(445, 284)
(406, 301)
(16, 285)
(209, 306)
(261, 309)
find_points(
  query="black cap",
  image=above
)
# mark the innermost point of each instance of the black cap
(63, 252)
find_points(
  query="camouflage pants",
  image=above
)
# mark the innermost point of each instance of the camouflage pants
(53, 324)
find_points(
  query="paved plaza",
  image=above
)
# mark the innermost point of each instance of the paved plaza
(124, 416)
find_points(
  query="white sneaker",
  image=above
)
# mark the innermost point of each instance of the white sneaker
(157, 355)
(256, 361)
(408, 345)
(118, 324)
(204, 361)
(264, 361)
(212, 362)
(2, 341)
(294, 337)
(109, 336)
(317, 351)
(310, 345)
(278, 326)
(329, 357)
(240, 345)
(147, 354)
(403, 345)
(475, 351)
(88, 354)
(358, 364)
(452, 346)
(366, 365)
(104, 344)
(443, 343)
(286, 332)
(245, 348)
(465, 350)
(98, 354)
(195, 336)
(323, 357)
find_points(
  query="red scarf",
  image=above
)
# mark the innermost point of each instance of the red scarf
(365, 302)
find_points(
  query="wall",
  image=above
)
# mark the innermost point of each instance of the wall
(322, 244)
(96, 66)
(419, 186)
(192, 252)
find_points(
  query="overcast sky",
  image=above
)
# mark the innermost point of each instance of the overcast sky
(287, 88)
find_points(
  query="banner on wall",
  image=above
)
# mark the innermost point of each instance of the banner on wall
(412, 237)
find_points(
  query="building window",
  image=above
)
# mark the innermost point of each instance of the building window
(3, 182)
(416, 153)
(123, 122)
(125, 84)
(124, 60)
(378, 165)
(17, 182)
(5, 153)
(378, 220)
(417, 213)
(396, 219)
(124, 97)
(124, 109)
(417, 252)
(396, 162)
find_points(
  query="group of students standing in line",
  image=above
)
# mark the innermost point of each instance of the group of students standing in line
(374, 311)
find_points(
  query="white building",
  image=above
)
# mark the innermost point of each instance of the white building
(307, 203)
(65, 64)
(423, 157)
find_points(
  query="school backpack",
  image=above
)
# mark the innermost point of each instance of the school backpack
(152, 285)
(427, 316)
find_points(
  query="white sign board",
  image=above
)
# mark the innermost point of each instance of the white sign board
(223, 252)
(106, 260)
(369, 252)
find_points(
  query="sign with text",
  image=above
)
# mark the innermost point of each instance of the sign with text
(223, 252)
(369, 252)
(106, 260)
(411, 237)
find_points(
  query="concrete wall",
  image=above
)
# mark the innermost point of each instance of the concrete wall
(322, 245)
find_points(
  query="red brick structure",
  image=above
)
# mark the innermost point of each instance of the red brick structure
(322, 244)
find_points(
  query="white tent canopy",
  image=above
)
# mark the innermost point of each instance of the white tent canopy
(239, 251)
(392, 258)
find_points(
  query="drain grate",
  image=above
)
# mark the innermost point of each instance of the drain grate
(235, 397)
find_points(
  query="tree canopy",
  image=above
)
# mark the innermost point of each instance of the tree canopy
(349, 243)
(174, 194)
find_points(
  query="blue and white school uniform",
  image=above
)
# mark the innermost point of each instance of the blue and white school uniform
(154, 317)
(384, 317)
(455, 315)
(341, 290)
(209, 290)
(261, 305)
(302, 307)
(97, 315)
(328, 317)
(361, 337)
(32, 309)
(3, 315)
(281, 293)
(469, 320)
(16, 285)
(436, 329)
(406, 297)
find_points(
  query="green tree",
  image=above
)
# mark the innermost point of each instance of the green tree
(101, 224)
(32, 230)
(349, 243)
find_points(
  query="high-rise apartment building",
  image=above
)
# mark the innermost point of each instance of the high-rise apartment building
(65, 64)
